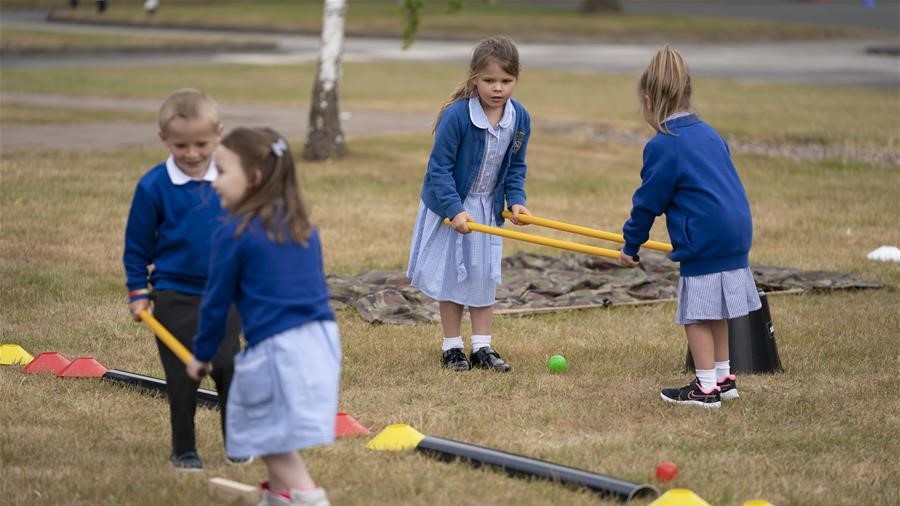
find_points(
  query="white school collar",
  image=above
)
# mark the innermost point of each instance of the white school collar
(178, 177)
(479, 118)
(677, 115)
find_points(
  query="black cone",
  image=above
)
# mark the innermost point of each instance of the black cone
(751, 343)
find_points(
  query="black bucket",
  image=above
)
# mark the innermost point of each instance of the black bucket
(751, 343)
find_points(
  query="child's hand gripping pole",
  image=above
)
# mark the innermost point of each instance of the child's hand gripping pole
(544, 241)
(589, 232)
(168, 339)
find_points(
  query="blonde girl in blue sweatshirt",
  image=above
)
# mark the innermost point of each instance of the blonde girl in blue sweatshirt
(267, 259)
(688, 175)
(476, 169)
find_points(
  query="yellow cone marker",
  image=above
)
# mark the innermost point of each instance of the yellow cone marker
(13, 354)
(396, 437)
(679, 497)
(758, 502)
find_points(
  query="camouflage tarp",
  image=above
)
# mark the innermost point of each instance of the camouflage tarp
(537, 283)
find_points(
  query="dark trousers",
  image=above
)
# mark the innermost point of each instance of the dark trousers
(179, 313)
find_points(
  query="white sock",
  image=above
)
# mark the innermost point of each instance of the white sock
(480, 341)
(312, 497)
(707, 379)
(451, 342)
(723, 369)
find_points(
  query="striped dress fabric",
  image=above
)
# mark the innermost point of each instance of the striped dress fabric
(716, 296)
(464, 268)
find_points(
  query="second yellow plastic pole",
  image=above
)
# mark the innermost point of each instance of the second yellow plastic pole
(589, 232)
(544, 241)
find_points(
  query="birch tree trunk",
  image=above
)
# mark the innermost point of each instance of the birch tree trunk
(325, 138)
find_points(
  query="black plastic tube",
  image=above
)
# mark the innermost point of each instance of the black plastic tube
(157, 386)
(517, 465)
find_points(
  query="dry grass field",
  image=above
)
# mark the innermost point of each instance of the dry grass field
(820, 433)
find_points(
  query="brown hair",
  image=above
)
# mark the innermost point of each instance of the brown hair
(274, 195)
(188, 104)
(499, 50)
(668, 84)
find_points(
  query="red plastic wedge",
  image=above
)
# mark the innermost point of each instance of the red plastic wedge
(84, 367)
(348, 426)
(47, 361)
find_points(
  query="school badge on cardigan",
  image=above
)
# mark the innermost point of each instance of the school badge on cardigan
(517, 142)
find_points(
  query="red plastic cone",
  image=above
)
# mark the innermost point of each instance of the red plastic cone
(84, 367)
(47, 361)
(348, 426)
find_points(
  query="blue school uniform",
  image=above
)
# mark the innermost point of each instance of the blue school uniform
(285, 389)
(478, 168)
(689, 176)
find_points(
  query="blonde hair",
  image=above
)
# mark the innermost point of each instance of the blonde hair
(668, 84)
(500, 50)
(274, 195)
(188, 104)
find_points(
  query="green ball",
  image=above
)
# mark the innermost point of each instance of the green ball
(557, 363)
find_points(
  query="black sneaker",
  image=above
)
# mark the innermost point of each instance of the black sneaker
(693, 395)
(455, 360)
(240, 462)
(488, 358)
(187, 461)
(728, 387)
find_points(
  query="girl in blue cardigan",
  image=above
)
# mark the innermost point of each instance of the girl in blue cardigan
(476, 169)
(688, 175)
(267, 258)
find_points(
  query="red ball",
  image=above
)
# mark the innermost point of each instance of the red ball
(666, 470)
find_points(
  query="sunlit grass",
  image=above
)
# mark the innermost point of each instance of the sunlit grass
(817, 434)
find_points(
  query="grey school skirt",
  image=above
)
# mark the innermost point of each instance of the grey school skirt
(716, 296)
(284, 395)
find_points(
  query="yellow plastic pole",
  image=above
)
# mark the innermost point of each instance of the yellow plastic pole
(166, 337)
(590, 232)
(544, 241)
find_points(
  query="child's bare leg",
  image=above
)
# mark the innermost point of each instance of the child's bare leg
(482, 320)
(720, 337)
(451, 317)
(287, 472)
(702, 344)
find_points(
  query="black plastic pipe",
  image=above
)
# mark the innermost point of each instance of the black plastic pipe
(517, 465)
(157, 386)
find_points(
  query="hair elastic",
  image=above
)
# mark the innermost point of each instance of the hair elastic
(279, 147)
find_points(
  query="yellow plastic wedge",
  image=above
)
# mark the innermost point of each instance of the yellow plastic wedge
(396, 437)
(13, 354)
(166, 337)
(544, 241)
(589, 232)
(758, 502)
(679, 497)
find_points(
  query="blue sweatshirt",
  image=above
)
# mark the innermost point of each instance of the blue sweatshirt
(276, 287)
(170, 227)
(690, 177)
(456, 157)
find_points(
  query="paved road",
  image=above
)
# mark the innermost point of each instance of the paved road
(841, 62)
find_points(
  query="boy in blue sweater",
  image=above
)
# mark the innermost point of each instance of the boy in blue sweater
(688, 175)
(173, 215)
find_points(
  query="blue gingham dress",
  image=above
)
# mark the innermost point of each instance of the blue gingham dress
(284, 395)
(716, 296)
(464, 268)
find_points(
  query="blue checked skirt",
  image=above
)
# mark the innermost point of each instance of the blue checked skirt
(284, 395)
(716, 296)
(448, 266)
